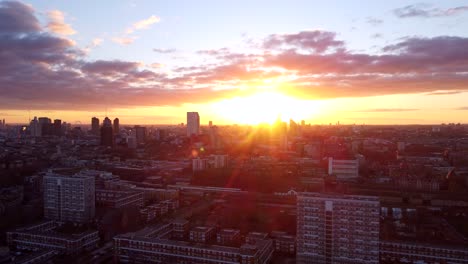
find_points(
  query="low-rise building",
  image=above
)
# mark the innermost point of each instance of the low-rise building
(118, 199)
(50, 235)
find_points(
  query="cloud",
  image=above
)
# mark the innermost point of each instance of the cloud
(47, 71)
(317, 40)
(96, 42)
(17, 17)
(424, 10)
(124, 40)
(384, 110)
(445, 92)
(57, 23)
(143, 24)
(164, 51)
(376, 36)
(374, 21)
(109, 67)
(463, 108)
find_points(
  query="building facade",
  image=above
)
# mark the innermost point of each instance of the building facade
(193, 124)
(46, 236)
(338, 229)
(69, 198)
(343, 169)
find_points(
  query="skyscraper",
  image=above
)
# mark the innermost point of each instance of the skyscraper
(140, 134)
(95, 126)
(107, 134)
(116, 126)
(35, 128)
(69, 198)
(57, 127)
(335, 228)
(193, 124)
(47, 128)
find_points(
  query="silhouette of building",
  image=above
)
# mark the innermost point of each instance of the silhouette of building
(140, 134)
(35, 128)
(193, 124)
(337, 228)
(107, 133)
(95, 126)
(116, 126)
(47, 128)
(69, 198)
(57, 127)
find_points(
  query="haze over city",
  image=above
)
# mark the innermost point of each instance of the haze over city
(370, 62)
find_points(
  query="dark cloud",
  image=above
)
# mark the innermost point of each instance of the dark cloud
(17, 17)
(317, 40)
(374, 21)
(424, 10)
(164, 51)
(109, 67)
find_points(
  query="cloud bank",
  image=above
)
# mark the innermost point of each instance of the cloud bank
(48, 71)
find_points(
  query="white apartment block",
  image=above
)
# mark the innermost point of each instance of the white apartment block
(343, 169)
(69, 198)
(338, 229)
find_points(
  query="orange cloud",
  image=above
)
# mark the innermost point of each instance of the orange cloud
(124, 40)
(57, 23)
(143, 24)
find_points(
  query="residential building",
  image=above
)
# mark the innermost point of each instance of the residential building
(343, 169)
(50, 235)
(334, 228)
(193, 124)
(69, 198)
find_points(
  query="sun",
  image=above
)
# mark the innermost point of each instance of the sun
(263, 107)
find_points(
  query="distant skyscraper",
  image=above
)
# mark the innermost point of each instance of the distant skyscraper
(35, 128)
(95, 126)
(69, 198)
(210, 124)
(116, 126)
(193, 124)
(337, 229)
(107, 134)
(47, 128)
(140, 134)
(57, 127)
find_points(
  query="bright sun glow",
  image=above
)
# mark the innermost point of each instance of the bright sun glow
(264, 107)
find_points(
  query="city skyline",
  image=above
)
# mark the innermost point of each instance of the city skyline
(388, 63)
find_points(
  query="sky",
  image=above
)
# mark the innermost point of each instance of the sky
(243, 62)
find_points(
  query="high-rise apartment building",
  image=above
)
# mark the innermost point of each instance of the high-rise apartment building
(69, 198)
(193, 124)
(337, 229)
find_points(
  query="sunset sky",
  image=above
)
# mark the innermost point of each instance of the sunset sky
(149, 62)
